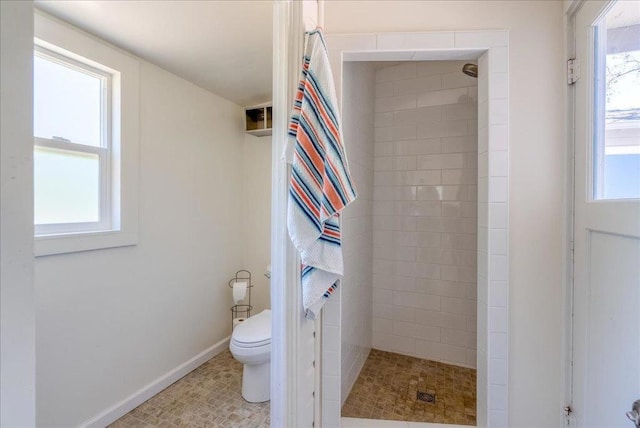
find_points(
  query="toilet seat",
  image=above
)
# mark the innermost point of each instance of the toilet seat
(240, 344)
(251, 340)
(254, 332)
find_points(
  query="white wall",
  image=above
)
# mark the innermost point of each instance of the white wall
(536, 114)
(111, 321)
(426, 213)
(17, 307)
(357, 221)
(255, 201)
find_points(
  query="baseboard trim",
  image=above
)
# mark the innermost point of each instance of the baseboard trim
(134, 400)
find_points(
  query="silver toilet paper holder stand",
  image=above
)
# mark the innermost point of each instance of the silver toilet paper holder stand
(242, 310)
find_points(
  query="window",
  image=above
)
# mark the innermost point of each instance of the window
(616, 159)
(72, 155)
(86, 104)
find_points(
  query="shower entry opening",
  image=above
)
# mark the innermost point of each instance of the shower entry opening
(407, 102)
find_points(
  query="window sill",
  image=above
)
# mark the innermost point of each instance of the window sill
(48, 245)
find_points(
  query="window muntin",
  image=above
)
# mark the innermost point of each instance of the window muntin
(72, 146)
(616, 149)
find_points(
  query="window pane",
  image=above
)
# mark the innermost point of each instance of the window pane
(617, 151)
(67, 103)
(67, 186)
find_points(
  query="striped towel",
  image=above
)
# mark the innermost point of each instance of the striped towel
(320, 185)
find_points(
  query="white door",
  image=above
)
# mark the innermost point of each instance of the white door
(606, 289)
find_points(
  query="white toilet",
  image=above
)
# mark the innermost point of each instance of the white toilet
(251, 345)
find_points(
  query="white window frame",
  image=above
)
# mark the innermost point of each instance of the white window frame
(596, 170)
(599, 149)
(120, 138)
(103, 151)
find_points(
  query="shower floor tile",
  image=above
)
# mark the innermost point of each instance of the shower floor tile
(388, 384)
(209, 396)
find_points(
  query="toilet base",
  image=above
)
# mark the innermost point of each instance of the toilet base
(256, 382)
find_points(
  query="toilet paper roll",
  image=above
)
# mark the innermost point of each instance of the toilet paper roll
(237, 321)
(239, 291)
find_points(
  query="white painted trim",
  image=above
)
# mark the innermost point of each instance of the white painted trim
(292, 340)
(285, 274)
(317, 405)
(146, 392)
(571, 7)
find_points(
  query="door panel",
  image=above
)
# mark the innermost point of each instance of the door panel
(613, 338)
(606, 270)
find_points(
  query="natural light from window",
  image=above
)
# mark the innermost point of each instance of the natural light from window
(66, 103)
(71, 149)
(617, 137)
(67, 187)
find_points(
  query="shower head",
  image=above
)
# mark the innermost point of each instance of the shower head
(470, 70)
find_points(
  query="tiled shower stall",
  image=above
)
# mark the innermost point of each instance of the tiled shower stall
(425, 211)
(430, 228)
(410, 237)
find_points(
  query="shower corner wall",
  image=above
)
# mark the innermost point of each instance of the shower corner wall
(357, 220)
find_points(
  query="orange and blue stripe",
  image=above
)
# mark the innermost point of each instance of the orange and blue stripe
(320, 184)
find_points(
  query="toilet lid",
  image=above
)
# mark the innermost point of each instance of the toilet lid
(255, 331)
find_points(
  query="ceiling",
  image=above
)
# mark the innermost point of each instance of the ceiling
(222, 46)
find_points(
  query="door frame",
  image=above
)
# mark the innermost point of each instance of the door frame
(569, 196)
(295, 397)
(492, 50)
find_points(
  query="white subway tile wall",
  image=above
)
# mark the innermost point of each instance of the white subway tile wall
(425, 212)
(357, 227)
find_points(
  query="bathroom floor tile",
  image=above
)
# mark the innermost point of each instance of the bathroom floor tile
(388, 384)
(209, 396)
